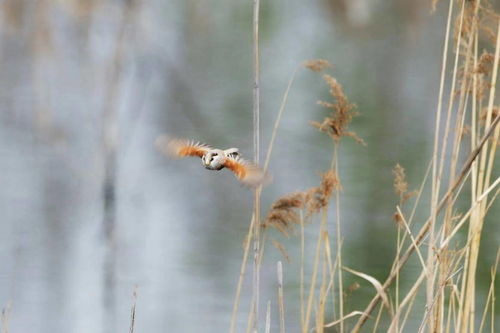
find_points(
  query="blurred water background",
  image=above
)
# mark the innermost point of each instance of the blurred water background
(86, 84)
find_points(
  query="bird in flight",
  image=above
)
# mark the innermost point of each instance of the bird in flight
(247, 172)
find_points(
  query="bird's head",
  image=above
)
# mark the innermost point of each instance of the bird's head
(213, 160)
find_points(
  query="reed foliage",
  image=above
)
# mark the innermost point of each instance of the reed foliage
(446, 243)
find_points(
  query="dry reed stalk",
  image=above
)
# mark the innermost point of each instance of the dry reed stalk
(414, 243)
(261, 255)
(438, 171)
(278, 118)
(438, 111)
(251, 228)
(332, 269)
(335, 161)
(302, 244)
(410, 306)
(243, 266)
(476, 225)
(491, 114)
(428, 312)
(464, 218)
(377, 320)
(425, 228)
(451, 310)
(283, 213)
(464, 93)
(315, 65)
(266, 165)
(323, 291)
(256, 144)
(398, 253)
(414, 209)
(335, 124)
(437, 321)
(491, 296)
(408, 298)
(400, 243)
(322, 227)
(401, 189)
(281, 299)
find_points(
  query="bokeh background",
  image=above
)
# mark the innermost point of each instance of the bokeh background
(90, 209)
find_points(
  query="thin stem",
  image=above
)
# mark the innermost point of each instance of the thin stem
(315, 271)
(302, 318)
(281, 300)
(339, 242)
(248, 240)
(256, 144)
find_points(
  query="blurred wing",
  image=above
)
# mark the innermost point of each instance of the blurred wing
(247, 173)
(180, 147)
(232, 152)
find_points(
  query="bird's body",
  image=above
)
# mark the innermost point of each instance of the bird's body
(215, 159)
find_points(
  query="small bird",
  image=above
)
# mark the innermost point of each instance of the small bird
(247, 172)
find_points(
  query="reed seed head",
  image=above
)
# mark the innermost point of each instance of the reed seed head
(317, 65)
(318, 197)
(342, 112)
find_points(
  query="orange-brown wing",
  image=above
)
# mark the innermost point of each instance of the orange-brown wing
(180, 147)
(247, 173)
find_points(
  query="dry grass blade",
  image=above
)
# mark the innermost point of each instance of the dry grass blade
(491, 296)
(375, 283)
(403, 220)
(464, 218)
(409, 297)
(278, 120)
(336, 322)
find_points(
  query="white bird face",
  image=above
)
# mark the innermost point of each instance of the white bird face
(213, 160)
